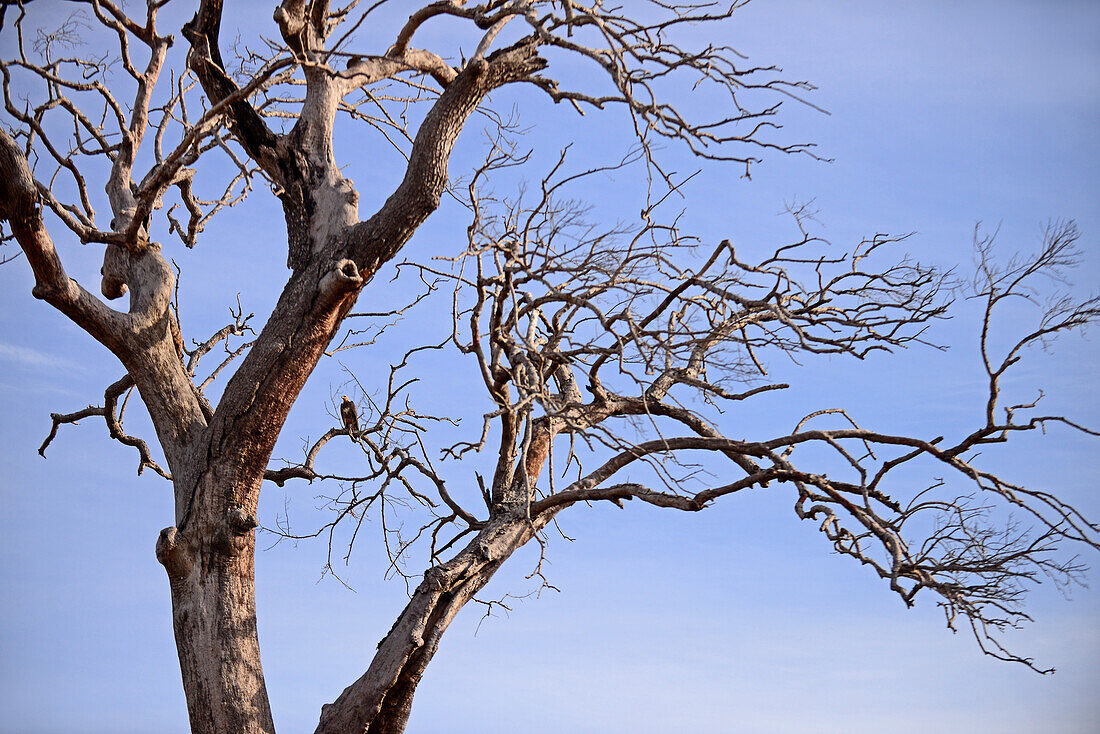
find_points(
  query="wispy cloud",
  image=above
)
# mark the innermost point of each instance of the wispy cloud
(32, 358)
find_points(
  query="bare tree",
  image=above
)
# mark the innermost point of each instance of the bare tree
(604, 351)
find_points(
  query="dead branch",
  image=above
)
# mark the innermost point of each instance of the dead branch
(112, 416)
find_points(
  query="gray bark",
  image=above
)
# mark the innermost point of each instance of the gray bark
(381, 700)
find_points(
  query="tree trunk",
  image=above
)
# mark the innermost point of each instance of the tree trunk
(210, 568)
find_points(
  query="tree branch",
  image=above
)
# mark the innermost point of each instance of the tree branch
(113, 418)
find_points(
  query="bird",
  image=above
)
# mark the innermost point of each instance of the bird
(350, 415)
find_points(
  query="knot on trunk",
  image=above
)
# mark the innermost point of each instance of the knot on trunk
(486, 552)
(435, 578)
(241, 521)
(341, 280)
(45, 292)
(115, 271)
(171, 552)
(477, 68)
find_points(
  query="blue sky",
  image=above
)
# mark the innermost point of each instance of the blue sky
(738, 619)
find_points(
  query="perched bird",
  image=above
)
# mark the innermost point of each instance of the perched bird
(350, 415)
